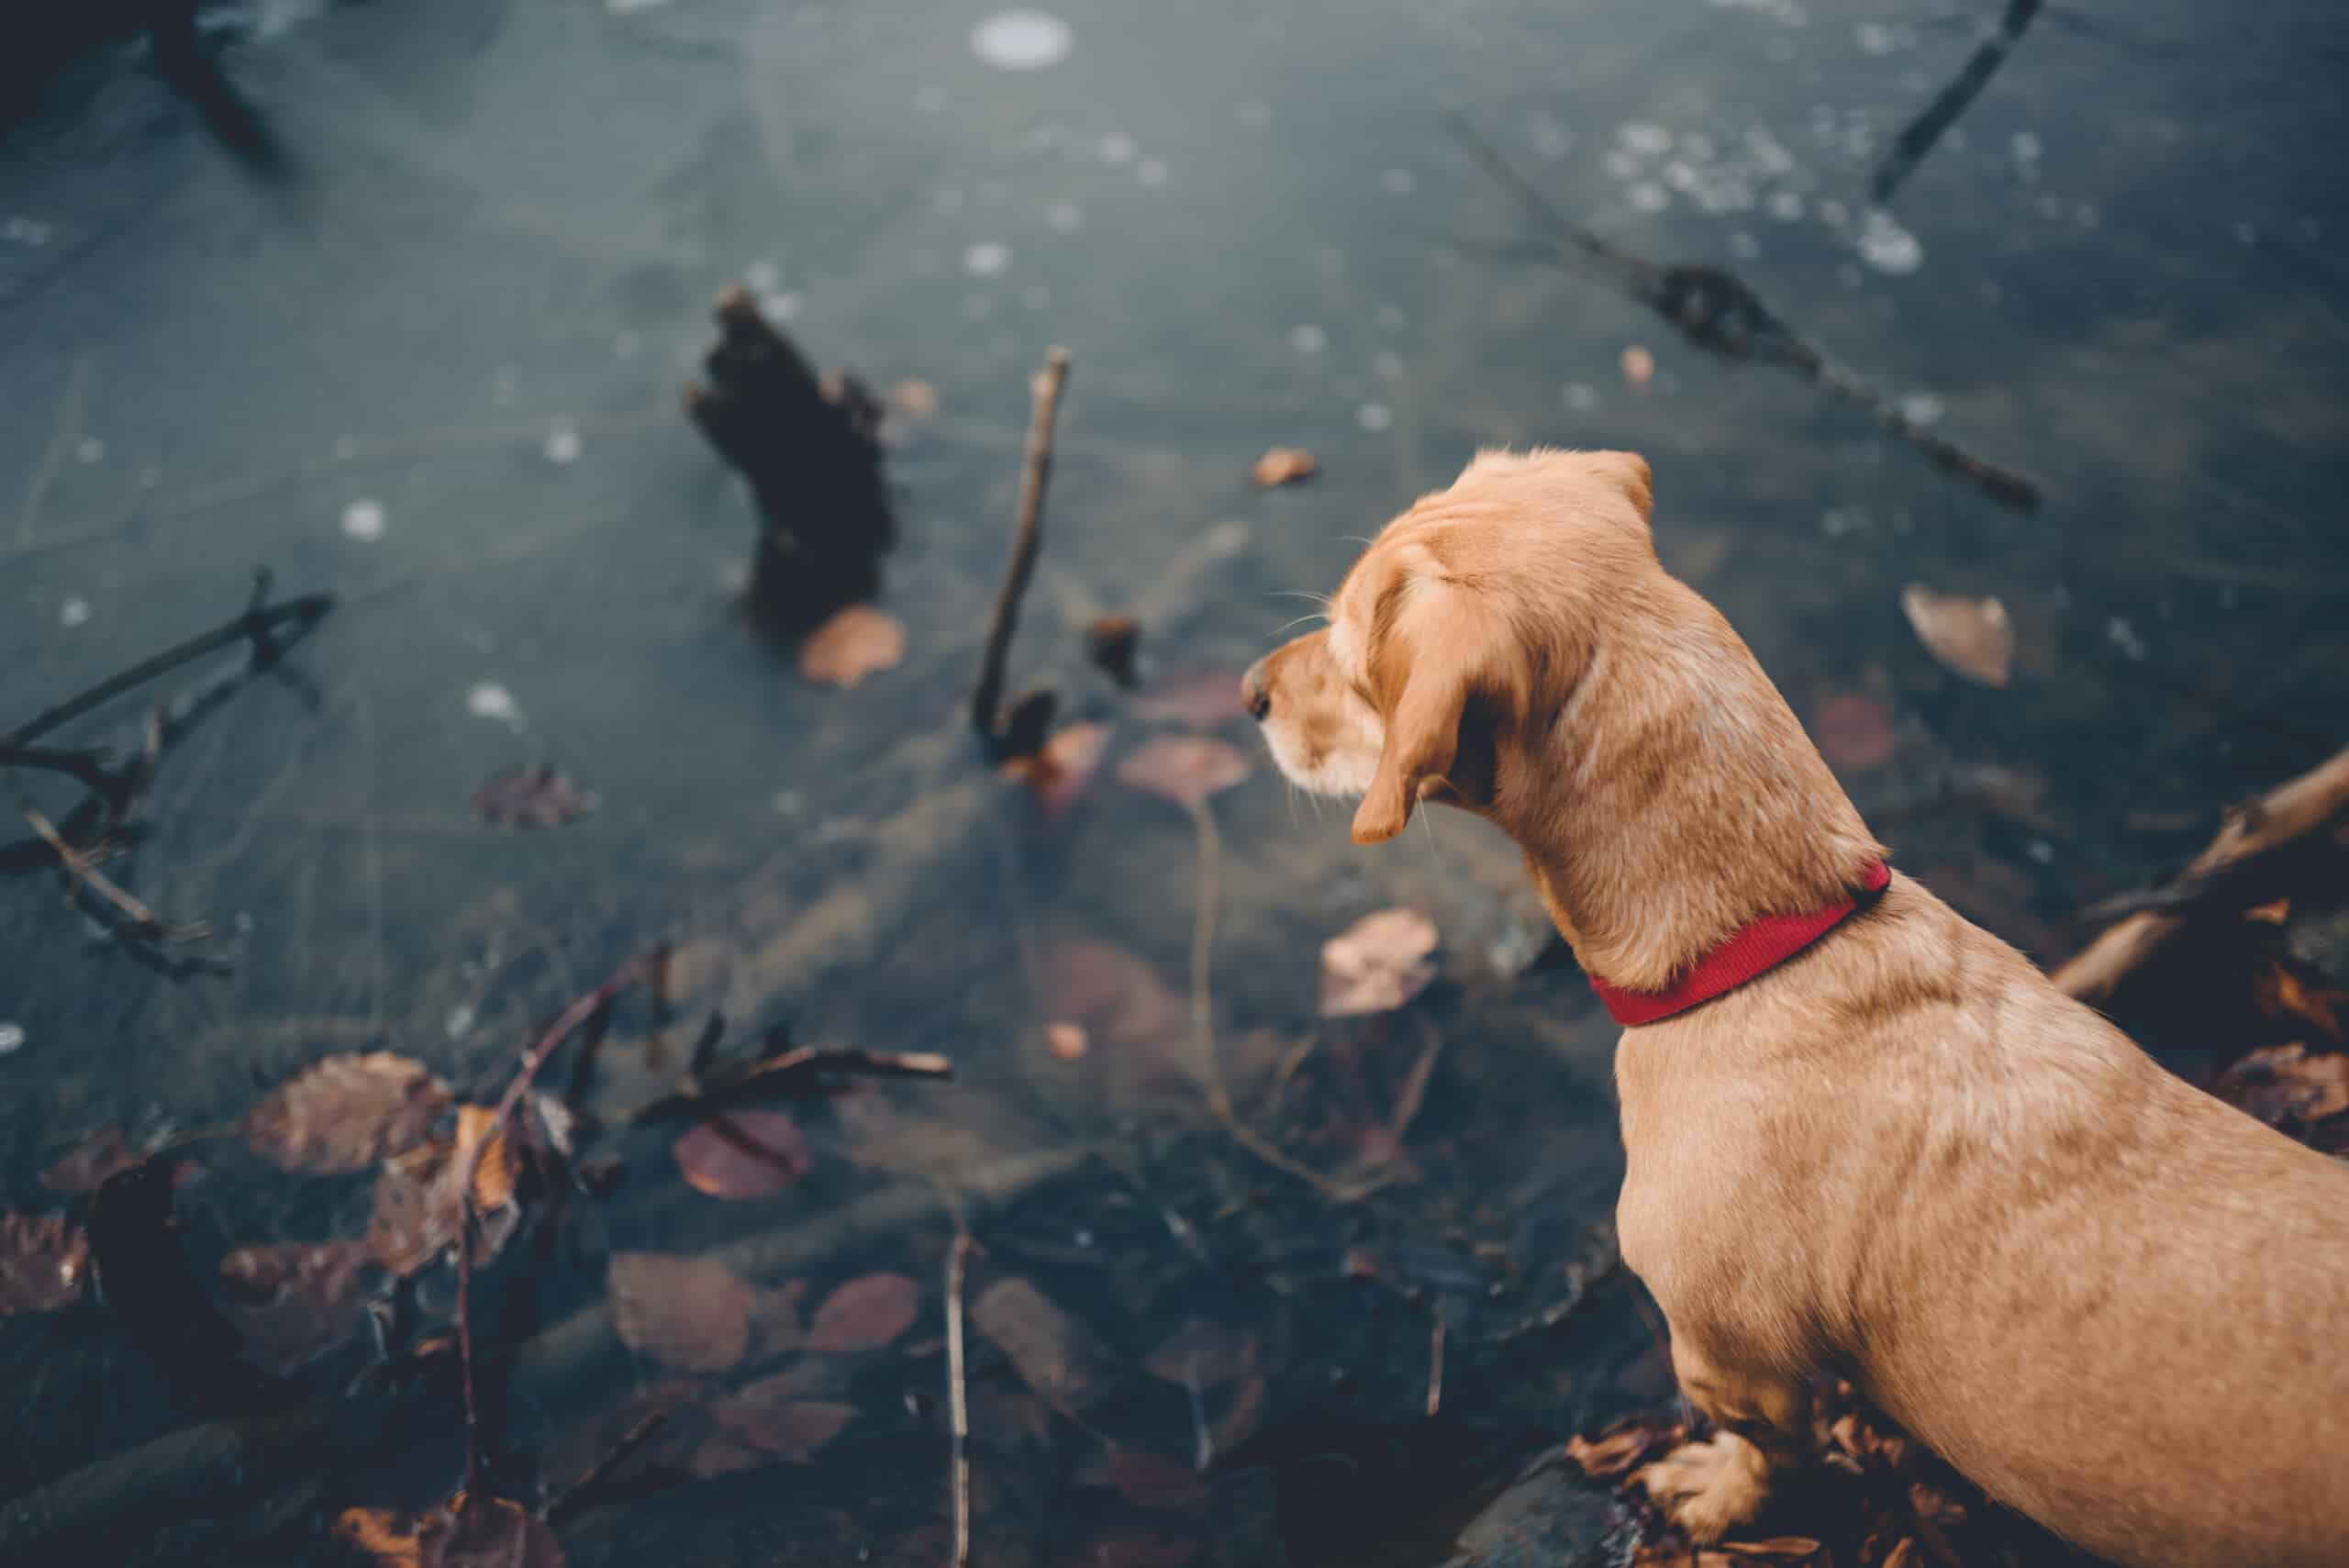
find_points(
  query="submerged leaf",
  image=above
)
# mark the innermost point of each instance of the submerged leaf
(1059, 772)
(44, 1263)
(1377, 964)
(1975, 637)
(344, 1113)
(1053, 1353)
(743, 1154)
(1854, 731)
(1625, 1447)
(1203, 1355)
(1185, 769)
(101, 1154)
(1148, 1479)
(294, 1303)
(855, 642)
(1284, 466)
(864, 1314)
(685, 1311)
(2287, 1085)
(419, 1201)
(492, 1533)
(540, 796)
(769, 1416)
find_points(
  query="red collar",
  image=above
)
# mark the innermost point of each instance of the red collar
(1763, 945)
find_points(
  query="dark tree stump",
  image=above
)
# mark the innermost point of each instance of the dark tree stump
(808, 446)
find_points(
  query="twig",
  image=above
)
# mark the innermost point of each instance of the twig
(1035, 472)
(958, 1412)
(83, 766)
(582, 1494)
(142, 921)
(1435, 1365)
(1917, 137)
(795, 1072)
(501, 1119)
(2292, 811)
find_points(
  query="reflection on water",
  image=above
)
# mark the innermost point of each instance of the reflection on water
(429, 359)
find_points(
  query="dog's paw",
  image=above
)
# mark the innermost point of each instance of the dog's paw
(1708, 1488)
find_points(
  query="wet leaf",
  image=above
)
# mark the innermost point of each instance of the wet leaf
(388, 1538)
(1639, 366)
(1854, 731)
(770, 1417)
(1203, 1355)
(540, 796)
(294, 1303)
(1787, 1549)
(775, 1328)
(98, 1156)
(492, 1533)
(1052, 1352)
(44, 1263)
(1066, 763)
(1625, 1447)
(345, 1113)
(1148, 1479)
(2281, 991)
(865, 1315)
(1185, 769)
(1377, 964)
(419, 1204)
(2285, 1086)
(1200, 700)
(1284, 466)
(1243, 1414)
(1975, 637)
(857, 641)
(1069, 1042)
(744, 1154)
(685, 1311)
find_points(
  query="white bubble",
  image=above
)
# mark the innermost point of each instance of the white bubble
(986, 259)
(363, 519)
(489, 700)
(1887, 247)
(1398, 182)
(1922, 408)
(91, 450)
(1255, 114)
(1646, 196)
(2026, 145)
(563, 445)
(460, 1021)
(73, 612)
(1064, 218)
(1374, 417)
(1743, 246)
(1308, 338)
(1644, 137)
(1022, 41)
(1784, 206)
(1387, 364)
(1116, 148)
(26, 231)
(1391, 317)
(1620, 164)
(1152, 171)
(2125, 637)
(784, 307)
(1679, 176)
(762, 277)
(11, 1039)
(1874, 38)
(1581, 396)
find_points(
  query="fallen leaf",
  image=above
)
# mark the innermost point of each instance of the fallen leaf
(1069, 1042)
(744, 1154)
(98, 1156)
(1975, 637)
(1667, 1553)
(2274, 914)
(418, 1203)
(294, 1303)
(864, 1314)
(685, 1311)
(1284, 466)
(44, 1263)
(492, 1533)
(494, 1172)
(1639, 365)
(540, 796)
(914, 398)
(1854, 731)
(345, 1113)
(1200, 700)
(1052, 1352)
(1377, 964)
(1185, 769)
(387, 1537)
(1249, 1398)
(769, 1416)
(2282, 1084)
(856, 641)
(1203, 1355)
(1063, 766)
(1624, 1447)
(1793, 1549)
(2282, 991)
(775, 1328)
(1148, 1479)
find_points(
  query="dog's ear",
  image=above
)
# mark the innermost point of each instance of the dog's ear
(1630, 472)
(1434, 659)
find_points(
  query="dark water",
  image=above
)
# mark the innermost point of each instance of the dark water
(416, 336)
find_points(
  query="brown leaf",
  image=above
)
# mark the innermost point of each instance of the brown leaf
(1639, 366)
(344, 1113)
(1242, 1416)
(98, 1156)
(1115, 997)
(294, 1303)
(744, 1154)
(683, 1310)
(1624, 1447)
(769, 1416)
(855, 643)
(776, 1327)
(1975, 637)
(44, 1263)
(2282, 991)
(1203, 1355)
(1148, 1479)
(1052, 1352)
(2287, 1085)
(1377, 964)
(2271, 914)
(1066, 763)
(1069, 1042)
(1200, 700)
(864, 1314)
(1185, 769)
(387, 1537)
(419, 1204)
(1667, 1553)
(492, 1533)
(540, 796)
(1790, 1549)
(1284, 466)
(1854, 731)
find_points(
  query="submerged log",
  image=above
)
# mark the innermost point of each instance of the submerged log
(808, 446)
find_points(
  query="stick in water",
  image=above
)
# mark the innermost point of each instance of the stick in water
(1035, 471)
(957, 1405)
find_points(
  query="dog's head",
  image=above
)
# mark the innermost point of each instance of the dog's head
(1456, 641)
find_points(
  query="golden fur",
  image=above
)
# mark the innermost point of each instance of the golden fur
(1903, 1157)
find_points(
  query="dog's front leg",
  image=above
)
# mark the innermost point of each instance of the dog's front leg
(1712, 1486)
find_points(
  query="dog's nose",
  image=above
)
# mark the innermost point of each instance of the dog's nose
(1254, 695)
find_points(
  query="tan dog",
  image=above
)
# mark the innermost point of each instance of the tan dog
(1900, 1155)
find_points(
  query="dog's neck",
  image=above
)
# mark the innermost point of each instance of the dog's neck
(1677, 798)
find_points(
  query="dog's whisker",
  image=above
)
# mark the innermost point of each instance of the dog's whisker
(1318, 615)
(1321, 599)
